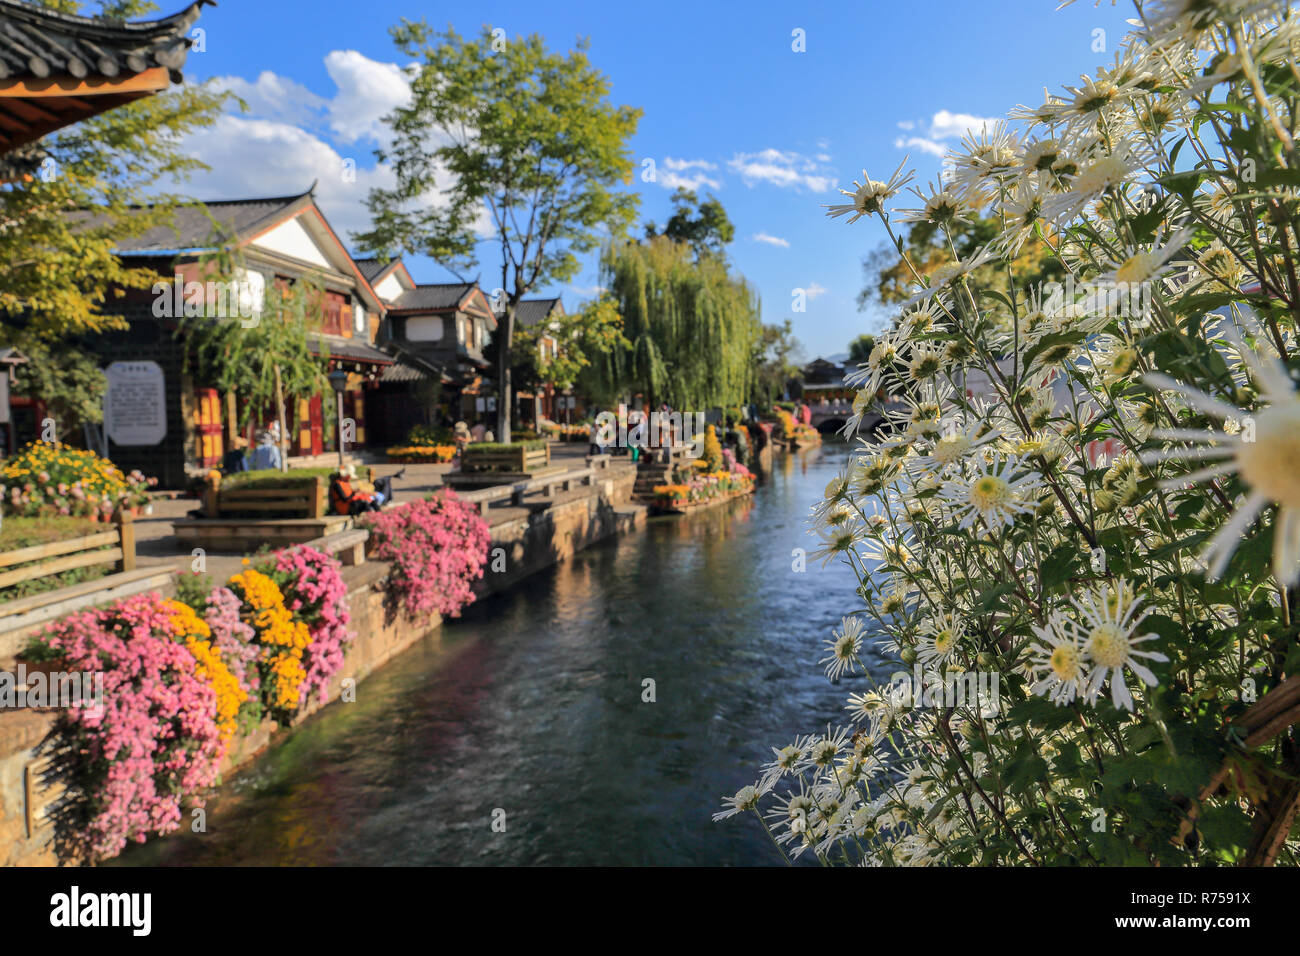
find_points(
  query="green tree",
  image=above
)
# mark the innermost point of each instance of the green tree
(776, 360)
(691, 326)
(511, 129)
(708, 231)
(594, 329)
(59, 225)
(889, 279)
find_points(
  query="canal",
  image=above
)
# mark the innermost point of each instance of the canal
(532, 704)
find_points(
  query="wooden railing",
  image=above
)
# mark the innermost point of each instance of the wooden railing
(116, 547)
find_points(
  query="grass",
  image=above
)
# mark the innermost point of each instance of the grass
(488, 448)
(274, 478)
(26, 532)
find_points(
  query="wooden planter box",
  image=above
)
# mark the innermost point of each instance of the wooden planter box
(519, 459)
(304, 498)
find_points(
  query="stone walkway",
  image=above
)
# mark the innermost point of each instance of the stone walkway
(156, 544)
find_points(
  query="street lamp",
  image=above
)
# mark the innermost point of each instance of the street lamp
(339, 381)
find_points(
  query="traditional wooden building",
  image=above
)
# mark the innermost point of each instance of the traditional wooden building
(59, 68)
(438, 331)
(544, 401)
(279, 240)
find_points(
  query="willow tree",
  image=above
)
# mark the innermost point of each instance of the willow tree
(264, 358)
(690, 325)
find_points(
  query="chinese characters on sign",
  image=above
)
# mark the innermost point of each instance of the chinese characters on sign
(135, 405)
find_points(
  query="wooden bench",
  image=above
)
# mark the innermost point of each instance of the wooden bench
(305, 499)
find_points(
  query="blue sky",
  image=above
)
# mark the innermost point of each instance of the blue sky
(728, 106)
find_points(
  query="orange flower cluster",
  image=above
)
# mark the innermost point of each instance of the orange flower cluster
(194, 632)
(283, 637)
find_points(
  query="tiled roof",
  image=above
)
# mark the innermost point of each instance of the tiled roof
(531, 311)
(340, 346)
(39, 42)
(208, 225)
(60, 68)
(432, 297)
(373, 268)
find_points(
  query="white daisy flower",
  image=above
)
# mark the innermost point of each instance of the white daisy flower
(993, 495)
(1061, 653)
(869, 195)
(1106, 632)
(843, 646)
(746, 798)
(1266, 457)
(938, 638)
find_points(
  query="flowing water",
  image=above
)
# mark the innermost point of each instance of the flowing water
(531, 704)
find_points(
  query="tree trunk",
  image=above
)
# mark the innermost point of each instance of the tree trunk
(504, 398)
(279, 412)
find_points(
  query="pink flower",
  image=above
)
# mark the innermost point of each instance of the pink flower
(437, 548)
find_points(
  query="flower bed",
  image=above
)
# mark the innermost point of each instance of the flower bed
(515, 457)
(156, 741)
(437, 547)
(421, 454)
(50, 479)
(181, 682)
(705, 487)
(566, 432)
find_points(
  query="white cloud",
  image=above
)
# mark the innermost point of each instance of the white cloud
(921, 143)
(814, 291)
(784, 169)
(251, 158)
(368, 90)
(689, 174)
(943, 127)
(771, 240)
(946, 125)
(286, 140)
(276, 97)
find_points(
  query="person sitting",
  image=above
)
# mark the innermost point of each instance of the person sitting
(235, 459)
(345, 498)
(266, 455)
(460, 433)
(349, 497)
